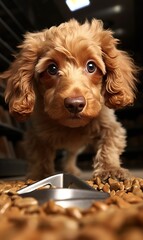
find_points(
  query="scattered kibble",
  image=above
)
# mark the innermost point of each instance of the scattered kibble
(118, 217)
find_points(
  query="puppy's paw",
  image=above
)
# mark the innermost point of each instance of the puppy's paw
(73, 170)
(114, 172)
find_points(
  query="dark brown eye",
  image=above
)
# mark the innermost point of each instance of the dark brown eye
(52, 69)
(91, 67)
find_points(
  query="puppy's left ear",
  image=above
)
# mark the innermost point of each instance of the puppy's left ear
(119, 86)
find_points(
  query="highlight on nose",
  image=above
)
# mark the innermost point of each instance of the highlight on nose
(74, 104)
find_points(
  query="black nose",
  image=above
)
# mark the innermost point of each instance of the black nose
(74, 104)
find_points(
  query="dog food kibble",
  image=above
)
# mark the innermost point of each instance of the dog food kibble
(119, 217)
(25, 202)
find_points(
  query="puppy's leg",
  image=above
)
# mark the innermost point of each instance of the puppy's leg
(41, 164)
(70, 163)
(109, 148)
(41, 160)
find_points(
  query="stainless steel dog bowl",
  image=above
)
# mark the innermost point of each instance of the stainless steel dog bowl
(69, 191)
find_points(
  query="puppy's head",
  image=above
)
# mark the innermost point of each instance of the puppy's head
(72, 70)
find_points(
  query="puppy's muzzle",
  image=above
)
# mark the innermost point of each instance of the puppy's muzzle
(74, 104)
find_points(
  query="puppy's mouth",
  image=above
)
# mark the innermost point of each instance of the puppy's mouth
(75, 120)
(75, 116)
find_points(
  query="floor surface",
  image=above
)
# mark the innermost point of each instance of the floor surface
(86, 175)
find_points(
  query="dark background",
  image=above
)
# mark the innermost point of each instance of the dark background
(19, 16)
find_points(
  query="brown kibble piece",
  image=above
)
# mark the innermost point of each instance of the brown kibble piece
(131, 198)
(100, 206)
(91, 183)
(117, 200)
(52, 207)
(25, 202)
(106, 188)
(100, 186)
(127, 184)
(5, 203)
(114, 185)
(74, 212)
(97, 181)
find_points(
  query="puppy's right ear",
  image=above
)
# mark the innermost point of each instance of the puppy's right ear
(19, 93)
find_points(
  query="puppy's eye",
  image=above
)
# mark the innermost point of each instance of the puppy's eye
(91, 67)
(52, 69)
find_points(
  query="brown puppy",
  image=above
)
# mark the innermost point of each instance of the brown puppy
(69, 79)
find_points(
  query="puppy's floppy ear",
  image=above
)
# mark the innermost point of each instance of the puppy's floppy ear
(19, 91)
(119, 85)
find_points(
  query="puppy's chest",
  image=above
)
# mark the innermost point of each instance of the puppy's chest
(68, 138)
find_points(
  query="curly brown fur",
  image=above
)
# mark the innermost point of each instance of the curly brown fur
(78, 62)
